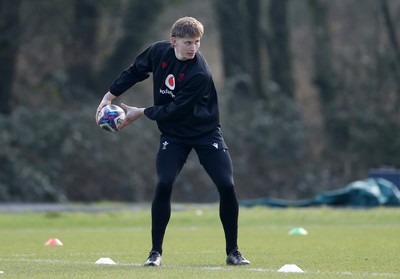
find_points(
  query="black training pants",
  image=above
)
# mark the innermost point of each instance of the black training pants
(217, 162)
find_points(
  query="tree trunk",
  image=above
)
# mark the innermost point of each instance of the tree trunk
(324, 77)
(391, 31)
(279, 47)
(229, 15)
(80, 53)
(254, 31)
(9, 43)
(336, 124)
(234, 37)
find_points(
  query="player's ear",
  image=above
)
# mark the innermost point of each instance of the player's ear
(173, 41)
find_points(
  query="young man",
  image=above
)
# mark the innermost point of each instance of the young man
(186, 111)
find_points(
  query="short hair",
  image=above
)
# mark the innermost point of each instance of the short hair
(187, 27)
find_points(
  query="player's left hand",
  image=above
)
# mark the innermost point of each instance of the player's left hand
(132, 114)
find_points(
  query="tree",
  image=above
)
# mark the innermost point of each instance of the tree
(391, 32)
(323, 69)
(9, 43)
(229, 16)
(325, 78)
(80, 53)
(279, 47)
(255, 44)
(232, 19)
(263, 121)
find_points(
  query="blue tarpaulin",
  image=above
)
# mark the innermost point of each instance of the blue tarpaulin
(363, 193)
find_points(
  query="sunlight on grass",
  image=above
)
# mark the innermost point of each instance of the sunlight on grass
(340, 243)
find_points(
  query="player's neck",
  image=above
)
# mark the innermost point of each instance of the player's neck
(179, 56)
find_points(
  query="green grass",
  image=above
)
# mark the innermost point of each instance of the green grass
(341, 243)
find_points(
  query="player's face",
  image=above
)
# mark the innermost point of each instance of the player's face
(185, 48)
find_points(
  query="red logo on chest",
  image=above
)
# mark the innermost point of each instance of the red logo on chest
(181, 77)
(164, 64)
(170, 82)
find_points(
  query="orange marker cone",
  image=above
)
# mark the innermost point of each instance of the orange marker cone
(53, 242)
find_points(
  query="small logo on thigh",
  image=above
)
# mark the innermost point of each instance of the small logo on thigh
(164, 144)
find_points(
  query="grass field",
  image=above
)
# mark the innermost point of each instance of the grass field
(341, 243)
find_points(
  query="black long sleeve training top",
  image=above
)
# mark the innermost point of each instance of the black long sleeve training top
(185, 98)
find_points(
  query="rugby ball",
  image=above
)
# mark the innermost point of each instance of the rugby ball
(110, 118)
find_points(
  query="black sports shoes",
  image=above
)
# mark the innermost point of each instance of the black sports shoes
(154, 259)
(236, 258)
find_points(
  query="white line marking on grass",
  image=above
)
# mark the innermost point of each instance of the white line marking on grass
(274, 270)
(365, 274)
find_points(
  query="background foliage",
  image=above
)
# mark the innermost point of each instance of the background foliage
(309, 94)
